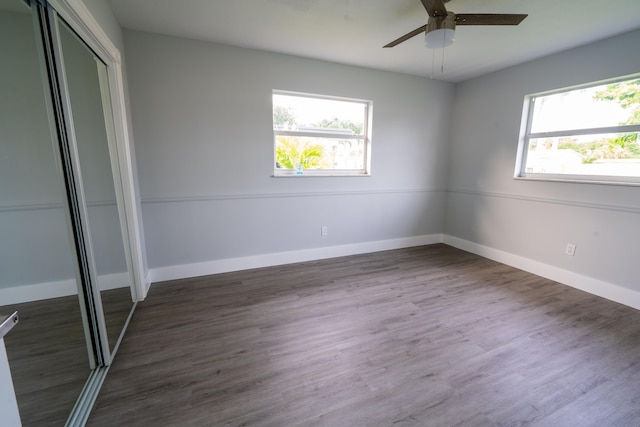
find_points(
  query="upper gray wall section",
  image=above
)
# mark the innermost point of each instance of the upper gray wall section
(203, 130)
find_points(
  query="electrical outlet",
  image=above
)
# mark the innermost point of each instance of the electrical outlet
(570, 250)
(324, 230)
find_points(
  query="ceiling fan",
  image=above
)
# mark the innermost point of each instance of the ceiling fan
(440, 28)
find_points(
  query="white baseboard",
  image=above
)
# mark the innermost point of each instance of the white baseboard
(37, 291)
(107, 282)
(593, 286)
(173, 272)
(588, 284)
(56, 289)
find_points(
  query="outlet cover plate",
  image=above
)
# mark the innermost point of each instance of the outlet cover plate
(570, 250)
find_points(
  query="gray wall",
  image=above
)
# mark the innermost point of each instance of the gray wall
(35, 246)
(203, 131)
(202, 118)
(530, 219)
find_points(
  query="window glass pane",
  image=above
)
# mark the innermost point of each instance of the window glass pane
(321, 135)
(615, 154)
(308, 153)
(599, 106)
(291, 112)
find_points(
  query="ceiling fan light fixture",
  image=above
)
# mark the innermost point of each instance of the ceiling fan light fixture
(442, 37)
(441, 31)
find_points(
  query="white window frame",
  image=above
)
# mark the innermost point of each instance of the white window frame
(366, 137)
(526, 136)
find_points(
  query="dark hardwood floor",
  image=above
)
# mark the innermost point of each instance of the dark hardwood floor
(427, 336)
(48, 355)
(48, 359)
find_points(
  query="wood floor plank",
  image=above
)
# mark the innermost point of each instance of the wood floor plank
(419, 336)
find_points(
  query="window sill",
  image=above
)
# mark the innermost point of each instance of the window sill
(321, 175)
(576, 180)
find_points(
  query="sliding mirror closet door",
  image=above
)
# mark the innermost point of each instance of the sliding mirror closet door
(64, 260)
(90, 117)
(49, 350)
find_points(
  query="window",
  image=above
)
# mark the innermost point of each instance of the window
(317, 135)
(590, 133)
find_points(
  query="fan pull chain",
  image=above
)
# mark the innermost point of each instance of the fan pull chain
(433, 61)
(433, 57)
(444, 40)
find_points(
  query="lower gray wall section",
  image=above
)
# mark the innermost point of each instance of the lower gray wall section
(535, 220)
(204, 144)
(214, 229)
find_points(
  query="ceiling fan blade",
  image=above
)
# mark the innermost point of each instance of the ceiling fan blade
(489, 18)
(407, 36)
(435, 7)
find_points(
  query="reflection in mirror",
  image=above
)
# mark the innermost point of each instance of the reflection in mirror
(47, 350)
(93, 128)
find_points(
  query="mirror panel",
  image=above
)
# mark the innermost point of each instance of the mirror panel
(86, 77)
(47, 350)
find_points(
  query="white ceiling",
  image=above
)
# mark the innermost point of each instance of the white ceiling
(354, 31)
